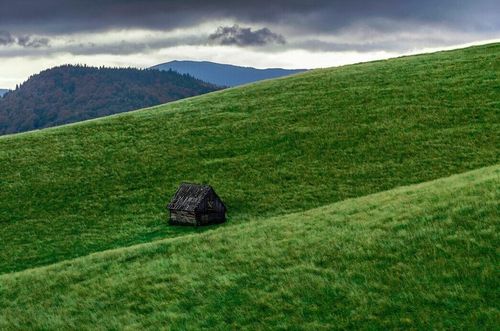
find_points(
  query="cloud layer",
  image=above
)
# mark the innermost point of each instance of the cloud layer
(315, 25)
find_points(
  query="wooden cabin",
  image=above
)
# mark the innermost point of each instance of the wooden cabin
(195, 205)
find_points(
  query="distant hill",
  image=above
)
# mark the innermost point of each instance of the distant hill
(3, 91)
(69, 94)
(224, 74)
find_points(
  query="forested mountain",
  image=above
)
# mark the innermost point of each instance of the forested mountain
(224, 74)
(69, 94)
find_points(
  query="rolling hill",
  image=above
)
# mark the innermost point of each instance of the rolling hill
(70, 94)
(418, 257)
(269, 149)
(224, 74)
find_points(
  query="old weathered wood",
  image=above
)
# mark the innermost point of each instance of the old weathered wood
(195, 204)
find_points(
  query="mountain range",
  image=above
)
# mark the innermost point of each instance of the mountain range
(3, 91)
(68, 94)
(224, 74)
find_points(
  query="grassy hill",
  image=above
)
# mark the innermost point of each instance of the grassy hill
(268, 149)
(418, 257)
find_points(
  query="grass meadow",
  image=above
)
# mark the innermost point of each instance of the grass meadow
(269, 149)
(359, 197)
(418, 257)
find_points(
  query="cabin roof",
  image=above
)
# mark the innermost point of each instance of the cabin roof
(189, 196)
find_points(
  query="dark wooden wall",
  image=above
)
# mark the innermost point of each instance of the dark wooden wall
(211, 204)
(179, 217)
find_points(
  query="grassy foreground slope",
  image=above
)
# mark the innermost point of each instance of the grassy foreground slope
(270, 148)
(422, 257)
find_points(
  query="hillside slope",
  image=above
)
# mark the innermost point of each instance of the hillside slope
(268, 149)
(224, 74)
(420, 257)
(68, 94)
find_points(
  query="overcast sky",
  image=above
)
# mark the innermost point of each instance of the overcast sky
(39, 34)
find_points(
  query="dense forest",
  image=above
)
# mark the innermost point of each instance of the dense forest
(68, 94)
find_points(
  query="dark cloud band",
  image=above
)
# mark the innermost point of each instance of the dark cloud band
(63, 16)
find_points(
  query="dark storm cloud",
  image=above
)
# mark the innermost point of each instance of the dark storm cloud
(63, 16)
(33, 42)
(6, 38)
(236, 35)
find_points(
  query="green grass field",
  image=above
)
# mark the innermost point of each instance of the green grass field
(419, 257)
(268, 149)
(342, 211)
